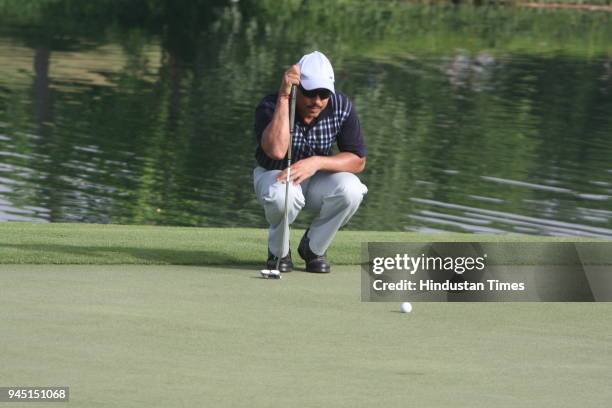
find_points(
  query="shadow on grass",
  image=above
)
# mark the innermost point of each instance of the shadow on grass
(70, 254)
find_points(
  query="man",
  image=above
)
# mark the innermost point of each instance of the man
(320, 180)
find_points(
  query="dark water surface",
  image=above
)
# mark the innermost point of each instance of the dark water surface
(476, 119)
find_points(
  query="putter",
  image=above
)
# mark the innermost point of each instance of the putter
(275, 273)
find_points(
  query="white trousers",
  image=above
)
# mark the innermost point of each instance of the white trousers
(336, 197)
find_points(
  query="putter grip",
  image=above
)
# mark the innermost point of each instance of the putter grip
(292, 99)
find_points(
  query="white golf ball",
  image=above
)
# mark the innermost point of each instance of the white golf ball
(406, 307)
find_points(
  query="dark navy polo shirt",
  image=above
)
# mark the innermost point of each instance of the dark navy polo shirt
(337, 123)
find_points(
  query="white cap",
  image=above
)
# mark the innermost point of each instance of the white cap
(316, 72)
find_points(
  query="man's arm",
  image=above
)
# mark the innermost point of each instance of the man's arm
(275, 137)
(343, 161)
(305, 168)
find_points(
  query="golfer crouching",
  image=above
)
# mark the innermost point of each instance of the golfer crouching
(320, 180)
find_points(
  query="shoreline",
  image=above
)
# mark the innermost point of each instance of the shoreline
(587, 7)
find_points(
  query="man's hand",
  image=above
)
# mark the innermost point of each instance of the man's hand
(291, 77)
(301, 170)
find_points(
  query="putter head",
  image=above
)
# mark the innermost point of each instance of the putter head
(270, 274)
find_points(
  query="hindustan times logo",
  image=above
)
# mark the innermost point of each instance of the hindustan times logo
(412, 264)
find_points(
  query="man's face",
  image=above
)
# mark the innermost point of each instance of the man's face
(311, 103)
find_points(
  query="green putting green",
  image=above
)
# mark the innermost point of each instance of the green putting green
(193, 336)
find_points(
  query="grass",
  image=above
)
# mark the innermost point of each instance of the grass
(38, 243)
(160, 333)
(168, 336)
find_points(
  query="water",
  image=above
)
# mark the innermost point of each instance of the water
(477, 119)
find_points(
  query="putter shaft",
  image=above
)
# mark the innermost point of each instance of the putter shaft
(289, 151)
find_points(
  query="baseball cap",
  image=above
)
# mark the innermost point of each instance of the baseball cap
(316, 72)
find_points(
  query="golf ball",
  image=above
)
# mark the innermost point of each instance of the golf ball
(406, 307)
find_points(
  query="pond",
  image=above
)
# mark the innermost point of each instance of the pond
(477, 119)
